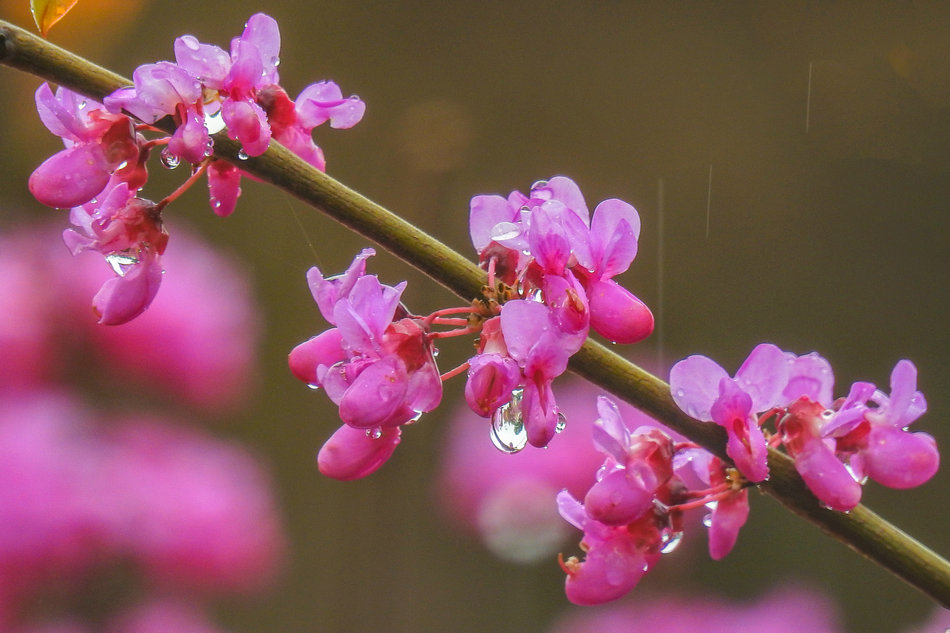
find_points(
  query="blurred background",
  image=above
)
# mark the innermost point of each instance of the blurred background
(791, 166)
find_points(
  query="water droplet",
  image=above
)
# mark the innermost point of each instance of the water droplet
(680, 393)
(242, 155)
(505, 231)
(313, 385)
(707, 520)
(209, 148)
(169, 160)
(374, 433)
(415, 418)
(670, 542)
(82, 105)
(122, 165)
(507, 426)
(827, 414)
(561, 422)
(435, 352)
(214, 122)
(215, 203)
(121, 262)
(275, 61)
(539, 185)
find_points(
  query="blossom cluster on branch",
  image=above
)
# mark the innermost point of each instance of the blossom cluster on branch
(207, 89)
(550, 266)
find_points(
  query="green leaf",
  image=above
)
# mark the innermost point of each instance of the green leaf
(46, 13)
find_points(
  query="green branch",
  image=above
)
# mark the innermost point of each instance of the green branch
(861, 529)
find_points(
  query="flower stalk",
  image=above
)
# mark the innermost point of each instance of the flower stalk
(861, 529)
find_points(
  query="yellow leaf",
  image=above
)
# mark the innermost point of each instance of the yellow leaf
(46, 13)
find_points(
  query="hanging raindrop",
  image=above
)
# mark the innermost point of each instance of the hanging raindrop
(169, 160)
(561, 422)
(507, 425)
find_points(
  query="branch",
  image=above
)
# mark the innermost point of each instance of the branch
(861, 529)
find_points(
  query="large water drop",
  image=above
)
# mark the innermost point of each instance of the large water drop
(505, 231)
(507, 426)
(169, 160)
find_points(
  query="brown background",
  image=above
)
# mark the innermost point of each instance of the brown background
(833, 238)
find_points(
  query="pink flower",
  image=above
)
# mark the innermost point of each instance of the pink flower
(166, 89)
(377, 365)
(705, 391)
(192, 510)
(97, 144)
(128, 231)
(879, 445)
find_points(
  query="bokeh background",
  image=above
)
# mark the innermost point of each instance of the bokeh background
(791, 166)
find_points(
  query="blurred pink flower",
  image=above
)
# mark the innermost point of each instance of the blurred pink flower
(162, 616)
(783, 610)
(195, 511)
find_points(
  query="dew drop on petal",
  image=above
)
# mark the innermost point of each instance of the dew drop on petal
(508, 433)
(561, 422)
(539, 185)
(707, 520)
(82, 105)
(313, 385)
(435, 352)
(415, 418)
(169, 160)
(374, 433)
(275, 61)
(505, 231)
(680, 393)
(242, 155)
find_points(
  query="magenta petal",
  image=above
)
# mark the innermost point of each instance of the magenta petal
(323, 101)
(827, 477)
(539, 409)
(611, 568)
(71, 177)
(491, 379)
(191, 141)
(614, 231)
(609, 432)
(224, 187)
(377, 396)
(726, 520)
(262, 31)
(523, 323)
(485, 213)
(121, 299)
(247, 123)
(565, 191)
(616, 314)
(746, 447)
(324, 349)
(617, 499)
(209, 63)
(694, 382)
(763, 376)
(898, 459)
(811, 376)
(352, 453)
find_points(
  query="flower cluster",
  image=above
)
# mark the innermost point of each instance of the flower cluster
(100, 172)
(557, 263)
(550, 272)
(836, 443)
(377, 365)
(634, 511)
